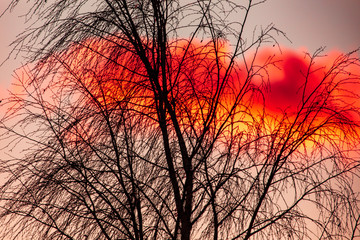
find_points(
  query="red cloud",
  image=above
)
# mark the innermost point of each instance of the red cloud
(295, 80)
(289, 81)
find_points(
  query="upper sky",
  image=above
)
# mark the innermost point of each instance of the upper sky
(308, 24)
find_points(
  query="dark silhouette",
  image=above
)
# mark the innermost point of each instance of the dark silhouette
(128, 130)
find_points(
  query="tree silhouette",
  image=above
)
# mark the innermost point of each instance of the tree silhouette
(129, 130)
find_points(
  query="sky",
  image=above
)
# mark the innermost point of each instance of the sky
(315, 23)
(308, 24)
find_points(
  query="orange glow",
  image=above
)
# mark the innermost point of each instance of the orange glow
(197, 75)
(305, 92)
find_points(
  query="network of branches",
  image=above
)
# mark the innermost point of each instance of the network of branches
(157, 120)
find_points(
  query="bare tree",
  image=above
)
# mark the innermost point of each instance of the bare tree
(129, 130)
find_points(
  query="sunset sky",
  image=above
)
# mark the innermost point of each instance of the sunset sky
(298, 107)
(308, 24)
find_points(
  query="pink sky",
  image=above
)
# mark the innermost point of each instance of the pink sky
(307, 23)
